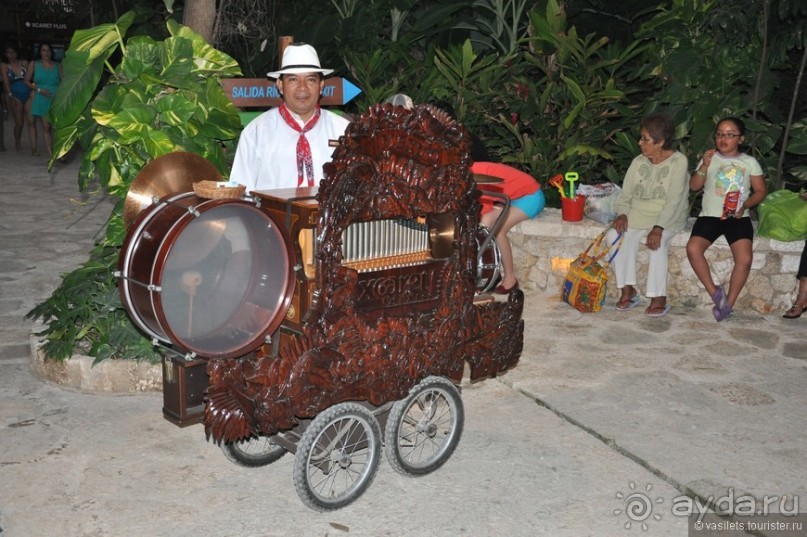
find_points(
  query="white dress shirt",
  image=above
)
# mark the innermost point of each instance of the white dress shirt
(266, 156)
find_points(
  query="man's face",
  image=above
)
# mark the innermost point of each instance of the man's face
(301, 92)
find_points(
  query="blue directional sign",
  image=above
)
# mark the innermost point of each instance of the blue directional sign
(262, 92)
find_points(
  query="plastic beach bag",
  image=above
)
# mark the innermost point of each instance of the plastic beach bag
(585, 283)
(783, 216)
(600, 201)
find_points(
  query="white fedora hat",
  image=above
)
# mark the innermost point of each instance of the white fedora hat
(299, 58)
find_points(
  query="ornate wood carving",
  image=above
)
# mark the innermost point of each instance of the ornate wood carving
(372, 336)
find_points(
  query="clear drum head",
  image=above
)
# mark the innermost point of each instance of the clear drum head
(225, 279)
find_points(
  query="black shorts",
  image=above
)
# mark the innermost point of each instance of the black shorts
(711, 227)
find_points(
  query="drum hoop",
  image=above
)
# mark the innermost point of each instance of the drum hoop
(143, 220)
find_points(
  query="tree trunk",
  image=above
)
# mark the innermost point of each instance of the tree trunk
(200, 15)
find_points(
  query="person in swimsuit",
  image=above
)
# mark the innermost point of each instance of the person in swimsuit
(17, 94)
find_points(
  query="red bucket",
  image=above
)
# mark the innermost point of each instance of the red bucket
(571, 209)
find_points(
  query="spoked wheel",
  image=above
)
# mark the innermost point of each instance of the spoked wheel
(488, 262)
(424, 429)
(337, 457)
(253, 452)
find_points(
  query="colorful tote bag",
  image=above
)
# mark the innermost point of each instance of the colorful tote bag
(585, 283)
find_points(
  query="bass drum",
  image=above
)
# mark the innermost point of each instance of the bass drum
(211, 277)
(489, 261)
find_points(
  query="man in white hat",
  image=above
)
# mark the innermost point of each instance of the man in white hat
(287, 146)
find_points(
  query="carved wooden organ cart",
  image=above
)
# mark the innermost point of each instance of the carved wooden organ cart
(331, 323)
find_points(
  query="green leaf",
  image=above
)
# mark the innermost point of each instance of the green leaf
(142, 55)
(133, 123)
(176, 57)
(223, 122)
(158, 143)
(102, 40)
(797, 140)
(205, 58)
(115, 230)
(108, 103)
(81, 77)
(175, 109)
(64, 139)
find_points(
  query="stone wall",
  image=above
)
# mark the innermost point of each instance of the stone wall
(544, 246)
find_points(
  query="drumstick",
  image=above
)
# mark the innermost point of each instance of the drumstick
(190, 282)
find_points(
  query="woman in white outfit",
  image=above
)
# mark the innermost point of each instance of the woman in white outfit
(654, 201)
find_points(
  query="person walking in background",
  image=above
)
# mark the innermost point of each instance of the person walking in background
(17, 94)
(43, 77)
(732, 183)
(654, 197)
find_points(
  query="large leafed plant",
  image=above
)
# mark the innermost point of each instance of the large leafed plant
(161, 97)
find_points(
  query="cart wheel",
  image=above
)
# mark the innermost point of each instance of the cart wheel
(337, 457)
(424, 429)
(253, 452)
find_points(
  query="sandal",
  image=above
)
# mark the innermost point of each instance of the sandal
(632, 302)
(795, 311)
(657, 311)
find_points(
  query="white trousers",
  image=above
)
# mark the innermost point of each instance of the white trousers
(624, 264)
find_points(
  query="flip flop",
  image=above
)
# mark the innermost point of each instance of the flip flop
(632, 303)
(795, 311)
(661, 313)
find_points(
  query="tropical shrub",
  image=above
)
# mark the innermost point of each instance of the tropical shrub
(161, 97)
(566, 104)
(708, 61)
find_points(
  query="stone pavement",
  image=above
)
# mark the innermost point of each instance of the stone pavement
(608, 422)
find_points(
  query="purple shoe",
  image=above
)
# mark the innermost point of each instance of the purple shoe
(721, 314)
(719, 297)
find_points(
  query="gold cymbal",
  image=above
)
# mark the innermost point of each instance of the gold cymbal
(484, 179)
(168, 175)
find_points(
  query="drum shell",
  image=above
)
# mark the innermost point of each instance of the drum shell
(152, 246)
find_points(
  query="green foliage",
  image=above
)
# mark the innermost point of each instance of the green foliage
(162, 96)
(706, 59)
(85, 313)
(501, 24)
(567, 103)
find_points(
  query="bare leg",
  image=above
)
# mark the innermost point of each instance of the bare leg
(47, 134)
(514, 216)
(696, 253)
(743, 254)
(31, 127)
(18, 109)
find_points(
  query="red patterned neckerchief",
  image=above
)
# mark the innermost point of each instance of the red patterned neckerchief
(305, 162)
